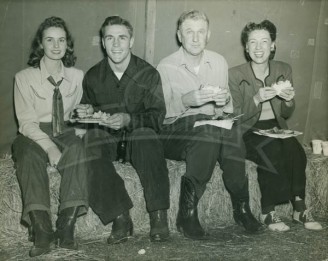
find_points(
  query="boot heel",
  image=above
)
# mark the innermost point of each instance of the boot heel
(130, 231)
(122, 228)
(187, 221)
(65, 228)
(180, 229)
(42, 233)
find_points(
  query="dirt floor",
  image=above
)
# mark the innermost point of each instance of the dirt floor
(224, 243)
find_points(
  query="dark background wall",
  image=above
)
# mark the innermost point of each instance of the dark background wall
(302, 41)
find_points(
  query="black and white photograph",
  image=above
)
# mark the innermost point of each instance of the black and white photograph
(164, 130)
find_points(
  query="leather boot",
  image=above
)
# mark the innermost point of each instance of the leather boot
(65, 228)
(187, 220)
(243, 216)
(31, 237)
(122, 228)
(43, 234)
(159, 229)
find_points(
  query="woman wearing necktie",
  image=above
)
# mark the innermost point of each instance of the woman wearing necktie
(45, 93)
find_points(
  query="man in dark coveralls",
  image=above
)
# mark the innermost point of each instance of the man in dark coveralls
(130, 90)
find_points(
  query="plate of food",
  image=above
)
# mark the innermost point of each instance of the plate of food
(96, 117)
(278, 133)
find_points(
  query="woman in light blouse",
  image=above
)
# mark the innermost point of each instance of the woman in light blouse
(262, 90)
(45, 93)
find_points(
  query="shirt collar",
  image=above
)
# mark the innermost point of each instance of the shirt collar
(183, 61)
(130, 71)
(132, 68)
(45, 74)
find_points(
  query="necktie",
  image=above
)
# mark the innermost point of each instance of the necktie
(57, 108)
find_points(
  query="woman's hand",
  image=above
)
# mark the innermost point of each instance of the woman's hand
(54, 156)
(264, 94)
(287, 93)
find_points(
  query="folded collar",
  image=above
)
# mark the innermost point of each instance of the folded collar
(45, 74)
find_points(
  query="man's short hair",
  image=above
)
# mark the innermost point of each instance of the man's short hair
(194, 15)
(116, 20)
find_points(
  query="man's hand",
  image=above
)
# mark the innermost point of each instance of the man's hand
(287, 93)
(84, 110)
(264, 94)
(117, 121)
(221, 98)
(197, 98)
(54, 156)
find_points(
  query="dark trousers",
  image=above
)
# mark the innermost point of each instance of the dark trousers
(201, 147)
(31, 170)
(281, 165)
(108, 196)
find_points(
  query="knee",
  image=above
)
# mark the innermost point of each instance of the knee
(26, 150)
(75, 149)
(96, 137)
(144, 141)
(143, 135)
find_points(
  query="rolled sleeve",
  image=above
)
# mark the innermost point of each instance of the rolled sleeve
(173, 99)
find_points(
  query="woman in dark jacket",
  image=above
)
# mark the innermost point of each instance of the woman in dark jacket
(262, 90)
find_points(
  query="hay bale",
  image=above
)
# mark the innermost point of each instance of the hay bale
(214, 206)
(317, 183)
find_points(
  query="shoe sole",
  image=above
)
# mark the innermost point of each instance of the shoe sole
(259, 230)
(181, 230)
(301, 223)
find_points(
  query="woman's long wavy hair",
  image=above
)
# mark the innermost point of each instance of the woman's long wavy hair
(37, 52)
(264, 25)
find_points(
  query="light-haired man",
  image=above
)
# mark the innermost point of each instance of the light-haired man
(130, 90)
(195, 84)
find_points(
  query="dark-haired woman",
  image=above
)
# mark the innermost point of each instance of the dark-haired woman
(262, 91)
(45, 94)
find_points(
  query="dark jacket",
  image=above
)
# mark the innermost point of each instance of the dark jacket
(138, 93)
(244, 85)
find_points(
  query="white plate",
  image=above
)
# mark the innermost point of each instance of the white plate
(88, 120)
(226, 124)
(283, 134)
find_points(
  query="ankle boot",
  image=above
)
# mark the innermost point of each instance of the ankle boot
(122, 228)
(159, 230)
(65, 228)
(30, 229)
(243, 216)
(187, 220)
(43, 234)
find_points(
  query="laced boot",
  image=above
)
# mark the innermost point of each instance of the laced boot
(65, 228)
(122, 228)
(187, 220)
(159, 230)
(42, 234)
(243, 216)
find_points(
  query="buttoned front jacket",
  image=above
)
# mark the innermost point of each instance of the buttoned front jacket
(138, 93)
(244, 85)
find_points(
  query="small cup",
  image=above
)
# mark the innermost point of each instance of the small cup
(316, 146)
(324, 145)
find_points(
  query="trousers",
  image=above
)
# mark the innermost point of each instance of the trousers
(281, 165)
(201, 147)
(31, 170)
(107, 194)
